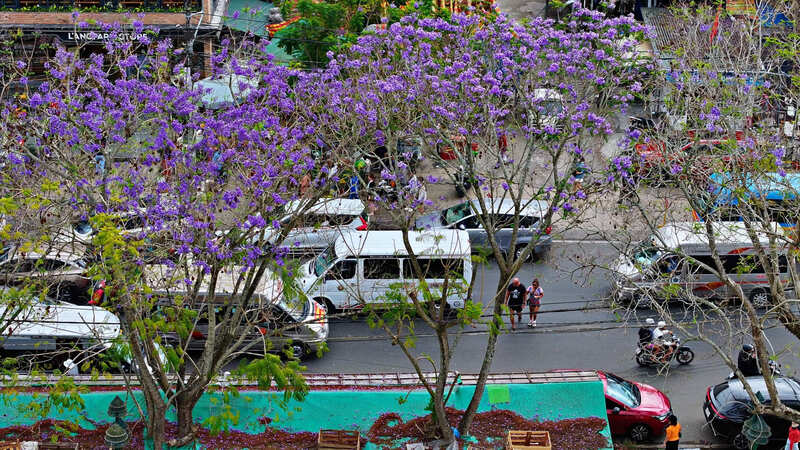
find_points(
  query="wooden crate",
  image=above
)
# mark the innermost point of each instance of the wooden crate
(338, 439)
(58, 446)
(528, 440)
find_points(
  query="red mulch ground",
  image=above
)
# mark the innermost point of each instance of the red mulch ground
(388, 431)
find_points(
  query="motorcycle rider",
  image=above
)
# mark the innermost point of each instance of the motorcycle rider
(747, 361)
(662, 342)
(646, 333)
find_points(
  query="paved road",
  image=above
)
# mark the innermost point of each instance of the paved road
(555, 343)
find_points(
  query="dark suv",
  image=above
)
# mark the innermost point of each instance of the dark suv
(727, 406)
(463, 217)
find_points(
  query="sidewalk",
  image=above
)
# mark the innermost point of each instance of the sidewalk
(600, 217)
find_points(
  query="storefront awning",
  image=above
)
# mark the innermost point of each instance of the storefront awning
(253, 16)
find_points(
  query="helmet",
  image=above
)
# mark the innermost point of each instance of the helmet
(650, 321)
(747, 348)
(662, 324)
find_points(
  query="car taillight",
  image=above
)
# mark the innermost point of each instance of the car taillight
(711, 404)
(197, 335)
(548, 230)
(97, 295)
(363, 226)
(319, 313)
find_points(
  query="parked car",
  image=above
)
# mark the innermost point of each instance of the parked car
(64, 272)
(701, 156)
(727, 406)
(278, 324)
(131, 223)
(319, 226)
(464, 216)
(634, 409)
(56, 329)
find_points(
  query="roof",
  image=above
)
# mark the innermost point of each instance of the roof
(341, 206)
(546, 94)
(253, 18)
(788, 388)
(506, 206)
(72, 252)
(670, 31)
(772, 186)
(164, 279)
(442, 242)
(678, 234)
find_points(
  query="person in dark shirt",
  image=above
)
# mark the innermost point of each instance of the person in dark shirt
(646, 332)
(747, 363)
(515, 299)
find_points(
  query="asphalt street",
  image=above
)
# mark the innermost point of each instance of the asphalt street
(585, 336)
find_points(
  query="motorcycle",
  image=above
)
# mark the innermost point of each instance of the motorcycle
(774, 370)
(645, 354)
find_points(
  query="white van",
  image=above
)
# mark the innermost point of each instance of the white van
(300, 326)
(670, 258)
(48, 325)
(363, 267)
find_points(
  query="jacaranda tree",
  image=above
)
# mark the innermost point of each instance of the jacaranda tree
(489, 90)
(186, 199)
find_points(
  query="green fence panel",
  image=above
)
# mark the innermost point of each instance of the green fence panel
(344, 409)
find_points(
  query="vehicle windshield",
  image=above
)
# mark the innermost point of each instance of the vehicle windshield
(456, 213)
(4, 253)
(322, 262)
(623, 391)
(83, 227)
(297, 308)
(646, 253)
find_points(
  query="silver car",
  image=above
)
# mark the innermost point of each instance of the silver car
(464, 216)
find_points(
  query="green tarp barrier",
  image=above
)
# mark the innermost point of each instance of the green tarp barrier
(352, 409)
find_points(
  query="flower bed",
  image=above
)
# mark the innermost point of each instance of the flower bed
(388, 431)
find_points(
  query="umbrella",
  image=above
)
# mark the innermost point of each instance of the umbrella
(225, 90)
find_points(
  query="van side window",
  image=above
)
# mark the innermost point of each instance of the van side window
(705, 259)
(435, 268)
(749, 264)
(342, 270)
(381, 269)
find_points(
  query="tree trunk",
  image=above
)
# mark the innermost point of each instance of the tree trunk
(441, 384)
(156, 418)
(469, 413)
(184, 403)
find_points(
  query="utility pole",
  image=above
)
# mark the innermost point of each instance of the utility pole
(187, 34)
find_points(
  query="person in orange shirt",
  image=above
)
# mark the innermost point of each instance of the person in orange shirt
(673, 433)
(793, 442)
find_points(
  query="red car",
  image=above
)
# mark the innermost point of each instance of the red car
(635, 409)
(700, 157)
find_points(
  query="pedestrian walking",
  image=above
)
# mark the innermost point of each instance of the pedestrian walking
(535, 294)
(673, 433)
(579, 171)
(515, 299)
(793, 442)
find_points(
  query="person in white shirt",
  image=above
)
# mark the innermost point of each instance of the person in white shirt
(662, 339)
